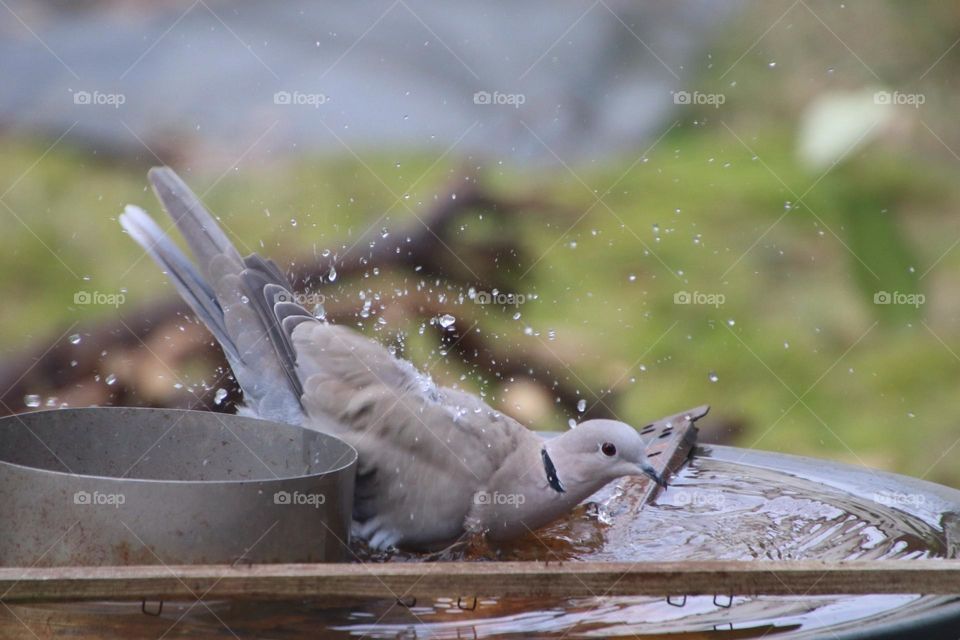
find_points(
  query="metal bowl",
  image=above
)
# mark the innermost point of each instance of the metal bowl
(119, 486)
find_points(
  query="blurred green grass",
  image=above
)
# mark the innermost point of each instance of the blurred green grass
(797, 321)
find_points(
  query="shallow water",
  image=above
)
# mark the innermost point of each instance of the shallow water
(712, 510)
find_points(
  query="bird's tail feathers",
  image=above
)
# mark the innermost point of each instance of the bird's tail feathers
(245, 302)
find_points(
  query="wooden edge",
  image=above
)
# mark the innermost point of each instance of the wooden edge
(503, 579)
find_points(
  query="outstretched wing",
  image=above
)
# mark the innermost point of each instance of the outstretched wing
(424, 450)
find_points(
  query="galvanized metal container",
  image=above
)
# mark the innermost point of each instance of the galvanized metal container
(117, 486)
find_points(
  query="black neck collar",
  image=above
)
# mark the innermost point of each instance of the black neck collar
(552, 478)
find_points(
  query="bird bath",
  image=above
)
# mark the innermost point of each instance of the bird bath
(724, 504)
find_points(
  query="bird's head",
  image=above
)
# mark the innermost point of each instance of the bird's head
(602, 450)
(575, 465)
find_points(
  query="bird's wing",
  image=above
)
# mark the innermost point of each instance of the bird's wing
(424, 450)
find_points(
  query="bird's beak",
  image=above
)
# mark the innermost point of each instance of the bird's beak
(649, 471)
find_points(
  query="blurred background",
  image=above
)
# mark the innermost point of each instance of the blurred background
(574, 208)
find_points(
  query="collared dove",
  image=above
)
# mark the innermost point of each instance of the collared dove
(434, 462)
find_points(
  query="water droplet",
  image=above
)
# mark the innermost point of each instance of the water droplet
(110, 379)
(220, 396)
(713, 377)
(772, 65)
(332, 276)
(75, 338)
(731, 322)
(632, 277)
(446, 320)
(31, 400)
(581, 405)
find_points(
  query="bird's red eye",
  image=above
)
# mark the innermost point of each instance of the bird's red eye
(608, 449)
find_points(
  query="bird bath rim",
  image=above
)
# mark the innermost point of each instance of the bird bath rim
(349, 452)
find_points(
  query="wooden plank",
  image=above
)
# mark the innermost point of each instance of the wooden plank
(453, 579)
